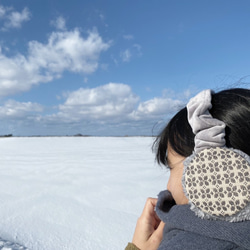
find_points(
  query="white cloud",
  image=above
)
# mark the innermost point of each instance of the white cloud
(126, 55)
(185, 95)
(108, 109)
(68, 51)
(111, 109)
(157, 107)
(113, 103)
(13, 19)
(128, 37)
(133, 51)
(16, 19)
(2, 11)
(64, 51)
(13, 109)
(59, 23)
(112, 100)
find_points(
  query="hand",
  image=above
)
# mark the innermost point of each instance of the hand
(149, 228)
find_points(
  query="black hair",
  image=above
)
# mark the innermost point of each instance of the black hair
(231, 106)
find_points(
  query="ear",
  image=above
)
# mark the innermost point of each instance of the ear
(217, 183)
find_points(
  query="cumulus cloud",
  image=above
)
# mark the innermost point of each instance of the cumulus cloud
(13, 19)
(13, 109)
(68, 51)
(126, 55)
(64, 51)
(134, 51)
(110, 109)
(113, 100)
(157, 107)
(3, 11)
(59, 23)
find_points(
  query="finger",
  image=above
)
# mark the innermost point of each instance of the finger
(156, 237)
(158, 233)
(148, 210)
(157, 222)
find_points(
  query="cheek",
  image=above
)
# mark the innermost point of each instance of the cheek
(175, 187)
(173, 183)
(170, 183)
(175, 179)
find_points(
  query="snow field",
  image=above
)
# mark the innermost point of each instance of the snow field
(75, 192)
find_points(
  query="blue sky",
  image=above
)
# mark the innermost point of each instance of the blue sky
(114, 67)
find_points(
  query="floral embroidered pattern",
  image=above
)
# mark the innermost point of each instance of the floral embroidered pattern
(217, 181)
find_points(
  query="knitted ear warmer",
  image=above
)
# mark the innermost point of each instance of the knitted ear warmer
(216, 178)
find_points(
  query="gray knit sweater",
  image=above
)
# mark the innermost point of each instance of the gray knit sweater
(184, 230)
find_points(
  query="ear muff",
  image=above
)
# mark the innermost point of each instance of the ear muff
(217, 182)
(216, 178)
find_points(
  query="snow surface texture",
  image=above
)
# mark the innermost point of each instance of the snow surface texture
(75, 192)
(7, 245)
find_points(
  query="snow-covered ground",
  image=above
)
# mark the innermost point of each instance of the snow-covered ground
(75, 192)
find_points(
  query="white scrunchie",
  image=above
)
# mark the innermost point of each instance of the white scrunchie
(209, 131)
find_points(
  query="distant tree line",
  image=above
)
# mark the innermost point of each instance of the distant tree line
(8, 135)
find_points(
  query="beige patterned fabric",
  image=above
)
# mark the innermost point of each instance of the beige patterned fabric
(217, 181)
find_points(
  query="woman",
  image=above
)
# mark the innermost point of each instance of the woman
(206, 205)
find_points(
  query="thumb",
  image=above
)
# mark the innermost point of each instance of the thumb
(159, 230)
(158, 234)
